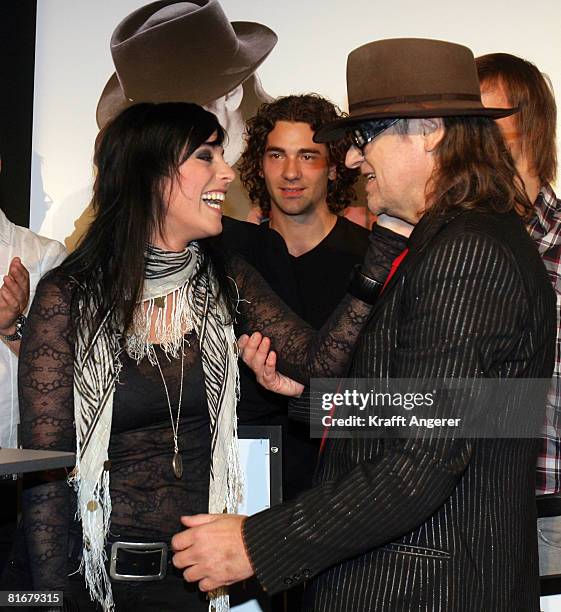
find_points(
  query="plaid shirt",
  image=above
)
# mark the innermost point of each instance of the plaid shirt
(545, 229)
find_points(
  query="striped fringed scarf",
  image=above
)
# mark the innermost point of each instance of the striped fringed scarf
(96, 369)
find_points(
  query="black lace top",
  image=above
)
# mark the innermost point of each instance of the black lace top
(147, 498)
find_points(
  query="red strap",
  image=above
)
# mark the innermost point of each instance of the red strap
(326, 429)
(395, 265)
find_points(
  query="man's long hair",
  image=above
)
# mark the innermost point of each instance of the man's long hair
(529, 90)
(313, 110)
(474, 170)
(134, 154)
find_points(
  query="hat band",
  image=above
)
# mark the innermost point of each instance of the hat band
(418, 98)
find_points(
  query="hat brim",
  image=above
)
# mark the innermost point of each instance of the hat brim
(338, 129)
(256, 41)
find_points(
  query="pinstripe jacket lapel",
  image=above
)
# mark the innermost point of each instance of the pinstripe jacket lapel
(425, 231)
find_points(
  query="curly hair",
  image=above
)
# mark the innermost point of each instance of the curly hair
(313, 110)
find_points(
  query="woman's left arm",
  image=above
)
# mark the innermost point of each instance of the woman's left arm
(302, 352)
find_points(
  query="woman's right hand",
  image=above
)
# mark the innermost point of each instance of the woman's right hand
(257, 354)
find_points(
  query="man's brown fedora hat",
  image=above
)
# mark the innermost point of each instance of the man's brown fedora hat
(410, 77)
(171, 51)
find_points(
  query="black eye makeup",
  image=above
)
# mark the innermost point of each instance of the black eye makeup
(205, 154)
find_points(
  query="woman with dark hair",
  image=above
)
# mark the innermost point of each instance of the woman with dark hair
(130, 360)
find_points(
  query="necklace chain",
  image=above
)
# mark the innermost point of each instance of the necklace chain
(174, 426)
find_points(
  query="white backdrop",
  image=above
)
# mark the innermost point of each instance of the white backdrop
(73, 63)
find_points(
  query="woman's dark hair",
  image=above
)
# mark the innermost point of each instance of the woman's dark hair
(313, 110)
(134, 153)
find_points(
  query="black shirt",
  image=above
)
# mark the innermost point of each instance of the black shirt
(312, 285)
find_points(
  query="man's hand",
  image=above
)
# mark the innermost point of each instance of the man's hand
(14, 295)
(211, 550)
(256, 354)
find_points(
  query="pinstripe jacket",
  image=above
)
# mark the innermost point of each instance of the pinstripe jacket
(429, 524)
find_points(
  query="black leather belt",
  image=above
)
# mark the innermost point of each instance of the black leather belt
(548, 505)
(138, 561)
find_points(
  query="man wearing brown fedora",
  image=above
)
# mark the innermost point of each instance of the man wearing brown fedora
(433, 520)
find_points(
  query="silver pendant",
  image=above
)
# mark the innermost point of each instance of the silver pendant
(177, 464)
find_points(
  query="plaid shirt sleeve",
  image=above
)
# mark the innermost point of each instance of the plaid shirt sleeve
(545, 229)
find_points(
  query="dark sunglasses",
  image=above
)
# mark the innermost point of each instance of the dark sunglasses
(366, 131)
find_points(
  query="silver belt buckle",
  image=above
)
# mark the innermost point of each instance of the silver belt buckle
(141, 547)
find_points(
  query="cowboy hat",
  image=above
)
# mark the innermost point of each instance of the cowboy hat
(171, 51)
(410, 77)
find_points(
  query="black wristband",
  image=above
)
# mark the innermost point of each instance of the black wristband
(20, 322)
(363, 287)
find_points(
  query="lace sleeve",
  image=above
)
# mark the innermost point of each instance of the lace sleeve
(47, 415)
(303, 352)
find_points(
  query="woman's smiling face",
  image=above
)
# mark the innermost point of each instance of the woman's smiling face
(195, 197)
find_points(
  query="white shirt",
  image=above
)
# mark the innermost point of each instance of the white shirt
(38, 255)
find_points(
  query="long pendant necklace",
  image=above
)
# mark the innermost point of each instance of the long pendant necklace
(177, 461)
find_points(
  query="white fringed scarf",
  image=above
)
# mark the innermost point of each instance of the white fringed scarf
(96, 369)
